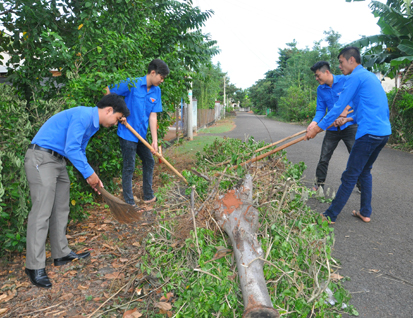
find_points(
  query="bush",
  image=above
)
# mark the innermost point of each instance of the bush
(19, 123)
(402, 128)
(295, 106)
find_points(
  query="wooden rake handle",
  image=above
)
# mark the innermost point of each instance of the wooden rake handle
(133, 131)
(288, 144)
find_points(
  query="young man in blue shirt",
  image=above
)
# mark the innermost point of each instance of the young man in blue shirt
(371, 113)
(328, 93)
(64, 136)
(143, 98)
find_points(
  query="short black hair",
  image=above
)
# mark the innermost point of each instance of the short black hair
(115, 101)
(320, 65)
(350, 51)
(159, 67)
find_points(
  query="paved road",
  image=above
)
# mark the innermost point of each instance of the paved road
(378, 256)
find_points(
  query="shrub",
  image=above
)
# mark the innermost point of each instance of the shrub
(402, 129)
(18, 126)
(295, 106)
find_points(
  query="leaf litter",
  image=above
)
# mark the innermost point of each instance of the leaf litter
(111, 281)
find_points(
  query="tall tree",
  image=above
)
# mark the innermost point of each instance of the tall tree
(95, 43)
(206, 86)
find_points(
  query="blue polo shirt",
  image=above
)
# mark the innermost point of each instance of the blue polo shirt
(141, 104)
(371, 109)
(326, 98)
(68, 133)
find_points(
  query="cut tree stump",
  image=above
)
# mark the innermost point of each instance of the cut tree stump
(239, 219)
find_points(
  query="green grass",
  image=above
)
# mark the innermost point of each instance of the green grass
(224, 127)
(198, 144)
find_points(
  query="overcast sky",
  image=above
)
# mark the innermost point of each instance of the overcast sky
(250, 32)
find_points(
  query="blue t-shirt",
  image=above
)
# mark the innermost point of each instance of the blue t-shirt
(68, 133)
(371, 109)
(326, 98)
(141, 104)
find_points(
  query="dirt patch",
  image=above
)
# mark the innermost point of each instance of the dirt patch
(81, 287)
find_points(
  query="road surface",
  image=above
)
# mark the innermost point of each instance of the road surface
(377, 256)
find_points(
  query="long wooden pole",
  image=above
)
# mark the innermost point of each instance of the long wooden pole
(133, 131)
(267, 153)
(282, 140)
(269, 146)
(288, 144)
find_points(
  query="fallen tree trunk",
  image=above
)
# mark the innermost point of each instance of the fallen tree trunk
(236, 215)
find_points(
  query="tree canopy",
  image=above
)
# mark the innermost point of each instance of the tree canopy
(96, 43)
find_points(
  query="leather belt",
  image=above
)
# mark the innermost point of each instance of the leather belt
(54, 153)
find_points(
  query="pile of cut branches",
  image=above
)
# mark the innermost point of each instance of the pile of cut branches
(190, 259)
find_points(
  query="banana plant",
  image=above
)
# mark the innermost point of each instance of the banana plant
(395, 44)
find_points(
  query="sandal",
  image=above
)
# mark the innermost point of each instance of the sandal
(324, 218)
(153, 200)
(363, 218)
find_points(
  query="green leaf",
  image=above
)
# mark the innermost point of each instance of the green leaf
(99, 49)
(406, 47)
(339, 296)
(88, 4)
(404, 60)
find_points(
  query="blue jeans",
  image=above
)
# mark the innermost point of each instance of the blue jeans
(330, 142)
(129, 151)
(360, 162)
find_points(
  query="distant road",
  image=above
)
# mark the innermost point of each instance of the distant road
(378, 256)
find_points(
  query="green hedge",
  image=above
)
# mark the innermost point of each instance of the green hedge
(18, 124)
(402, 122)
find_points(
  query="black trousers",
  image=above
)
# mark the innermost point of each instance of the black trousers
(330, 142)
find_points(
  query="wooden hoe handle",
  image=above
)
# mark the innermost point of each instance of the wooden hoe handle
(133, 131)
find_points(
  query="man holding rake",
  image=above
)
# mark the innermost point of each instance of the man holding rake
(64, 136)
(328, 93)
(143, 98)
(371, 113)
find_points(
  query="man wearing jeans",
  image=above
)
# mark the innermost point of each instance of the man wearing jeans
(328, 93)
(371, 113)
(143, 98)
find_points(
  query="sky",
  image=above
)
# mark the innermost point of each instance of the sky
(250, 32)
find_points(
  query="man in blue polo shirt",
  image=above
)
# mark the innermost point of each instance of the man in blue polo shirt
(328, 93)
(143, 98)
(65, 135)
(371, 113)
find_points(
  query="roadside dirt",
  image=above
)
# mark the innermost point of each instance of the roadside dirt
(81, 287)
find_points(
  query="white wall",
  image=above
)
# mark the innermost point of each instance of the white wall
(6, 57)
